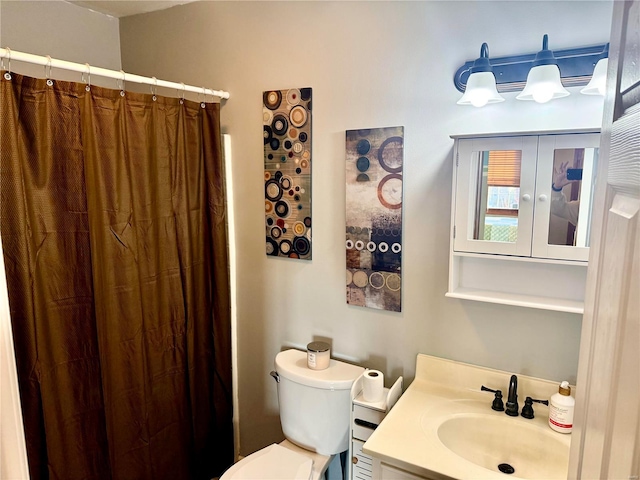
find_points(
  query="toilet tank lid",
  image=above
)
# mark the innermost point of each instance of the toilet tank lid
(292, 365)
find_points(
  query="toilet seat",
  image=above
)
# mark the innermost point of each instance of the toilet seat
(274, 462)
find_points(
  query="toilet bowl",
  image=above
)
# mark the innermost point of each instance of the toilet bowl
(314, 414)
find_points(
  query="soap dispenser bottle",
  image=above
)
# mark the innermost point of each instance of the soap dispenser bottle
(561, 406)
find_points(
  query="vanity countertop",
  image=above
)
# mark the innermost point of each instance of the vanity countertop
(408, 439)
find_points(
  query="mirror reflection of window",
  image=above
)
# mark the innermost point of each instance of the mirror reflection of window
(572, 186)
(497, 195)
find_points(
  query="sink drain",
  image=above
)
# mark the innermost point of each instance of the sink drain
(506, 468)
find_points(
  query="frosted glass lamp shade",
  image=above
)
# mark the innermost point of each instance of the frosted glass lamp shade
(481, 89)
(543, 84)
(598, 83)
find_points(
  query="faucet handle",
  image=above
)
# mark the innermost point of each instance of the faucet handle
(497, 404)
(527, 410)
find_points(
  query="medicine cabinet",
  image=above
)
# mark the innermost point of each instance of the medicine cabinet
(521, 216)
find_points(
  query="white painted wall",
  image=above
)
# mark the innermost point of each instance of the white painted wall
(71, 33)
(370, 64)
(63, 31)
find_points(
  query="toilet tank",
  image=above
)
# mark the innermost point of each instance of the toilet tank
(315, 405)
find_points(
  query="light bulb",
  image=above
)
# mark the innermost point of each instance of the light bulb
(542, 94)
(479, 97)
(479, 100)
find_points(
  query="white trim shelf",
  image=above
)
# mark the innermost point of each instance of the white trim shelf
(515, 258)
(518, 300)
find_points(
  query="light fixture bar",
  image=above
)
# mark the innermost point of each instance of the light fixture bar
(576, 67)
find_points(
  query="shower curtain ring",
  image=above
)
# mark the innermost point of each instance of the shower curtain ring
(154, 89)
(47, 71)
(7, 74)
(183, 90)
(122, 83)
(88, 81)
(204, 97)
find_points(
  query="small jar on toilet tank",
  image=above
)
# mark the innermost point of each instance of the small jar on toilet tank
(318, 355)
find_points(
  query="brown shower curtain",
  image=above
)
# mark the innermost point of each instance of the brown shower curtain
(113, 224)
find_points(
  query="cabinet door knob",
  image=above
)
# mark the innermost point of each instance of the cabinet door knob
(526, 197)
(542, 198)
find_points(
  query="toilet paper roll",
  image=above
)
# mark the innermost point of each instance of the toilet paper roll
(373, 386)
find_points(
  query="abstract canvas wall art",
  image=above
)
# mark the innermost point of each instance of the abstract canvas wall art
(286, 119)
(374, 168)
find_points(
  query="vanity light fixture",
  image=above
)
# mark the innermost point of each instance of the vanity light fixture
(481, 87)
(598, 83)
(543, 80)
(513, 73)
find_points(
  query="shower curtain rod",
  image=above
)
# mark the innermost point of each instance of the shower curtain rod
(47, 61)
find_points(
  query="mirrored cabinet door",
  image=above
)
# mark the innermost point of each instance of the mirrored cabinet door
(565, 182)
(494, 195)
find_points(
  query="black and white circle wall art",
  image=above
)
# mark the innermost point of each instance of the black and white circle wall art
(286, 121)
(374, 166)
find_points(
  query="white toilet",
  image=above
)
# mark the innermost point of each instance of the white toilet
(314, 413)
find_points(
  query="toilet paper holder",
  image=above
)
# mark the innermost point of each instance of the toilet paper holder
(389, 398)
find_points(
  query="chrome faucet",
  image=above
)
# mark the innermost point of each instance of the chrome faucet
(512, 398)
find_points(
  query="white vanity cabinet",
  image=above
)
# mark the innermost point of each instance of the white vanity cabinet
(443, 428)
(515, 239)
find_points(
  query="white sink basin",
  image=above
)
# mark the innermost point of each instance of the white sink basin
(507, 444)
(443, 427)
